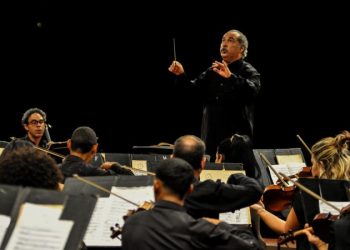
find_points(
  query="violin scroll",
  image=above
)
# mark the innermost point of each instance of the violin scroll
(146, 205)
(117, 230)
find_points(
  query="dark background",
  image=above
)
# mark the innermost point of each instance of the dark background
(55, 48)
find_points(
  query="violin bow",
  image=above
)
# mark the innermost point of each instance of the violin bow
(284, 238)
(91, 183)
(310, 192)
(305, 145)
(273, 169)
(44, 150)
(117, 230)
(135, 169)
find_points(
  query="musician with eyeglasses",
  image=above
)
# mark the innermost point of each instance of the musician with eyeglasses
(34, 122)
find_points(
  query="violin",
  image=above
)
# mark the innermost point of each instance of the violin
(304, 173)
(117, 230)
(290, 236)
(278, 197)
(322, 222)
(320, 226)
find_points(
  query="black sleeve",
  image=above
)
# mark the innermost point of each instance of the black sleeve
(223, 236)
(116, 169)
(241, 191)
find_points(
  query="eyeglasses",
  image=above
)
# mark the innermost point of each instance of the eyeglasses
(36, 122)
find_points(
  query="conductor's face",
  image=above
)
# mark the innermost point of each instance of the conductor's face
(230, 49)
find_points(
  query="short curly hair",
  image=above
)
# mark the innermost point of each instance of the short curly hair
(29, 167)
(31, 111)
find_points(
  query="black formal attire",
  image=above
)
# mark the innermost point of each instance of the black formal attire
(209, 198)
(75, 165)
(43, 142)
(168, 226)
(228, 102)
(339, 233)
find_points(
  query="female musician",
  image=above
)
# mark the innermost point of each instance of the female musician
(330, 160)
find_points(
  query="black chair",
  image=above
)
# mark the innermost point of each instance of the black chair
(122, 158)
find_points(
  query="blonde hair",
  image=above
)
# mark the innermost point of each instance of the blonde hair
(333, 153)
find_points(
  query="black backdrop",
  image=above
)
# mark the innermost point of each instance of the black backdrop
(55, 48)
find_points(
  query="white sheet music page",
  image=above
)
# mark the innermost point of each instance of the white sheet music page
(38, 228)
(215, 175)
(241, 216)
(324, 208)
(141, 165)
(287, 169)
(4, 223)
(109, 211)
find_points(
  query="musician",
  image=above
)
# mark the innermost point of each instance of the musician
(209, 198)
(168, 226)
(83, 147)
(26, 166)
(330, 160)
(238, 148)
(15, 144)
(34, 122)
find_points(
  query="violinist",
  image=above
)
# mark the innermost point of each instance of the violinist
(209, 198)
(34, 122)
(23, 165)
(168, 226)
(330, 160)
(83, 147)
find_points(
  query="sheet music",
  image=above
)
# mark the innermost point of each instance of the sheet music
(139, 164)
(285, 159)
(215, 175)
(241, 216)
(37, 230)
(109, 211)
(324, 208)
(287, 169)
(4, 223)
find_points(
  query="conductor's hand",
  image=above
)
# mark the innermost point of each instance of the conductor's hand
(221, 68)
(176, 68)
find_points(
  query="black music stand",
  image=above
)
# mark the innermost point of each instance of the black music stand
(80, 217)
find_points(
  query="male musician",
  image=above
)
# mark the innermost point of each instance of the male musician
(25, 166)
(83, 147)
(34, 122)
(168, 226)
(209, 198)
